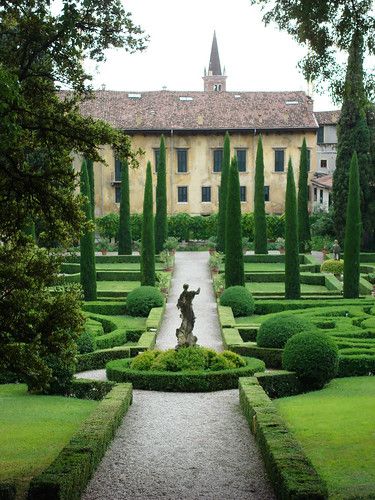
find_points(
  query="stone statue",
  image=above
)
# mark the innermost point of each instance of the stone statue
(336, 250)
(184, 334)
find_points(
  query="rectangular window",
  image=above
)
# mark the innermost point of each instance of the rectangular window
(315, 194)
(266, 193)
(241, 160)
(218, 159)
(182, 160)
(156, 158)
(117, 194)
(279, 160)
(243, 194)
(320, 135)
(206, 194)
(323, 163)
(182, 194)
(321, 197)
(117, 170)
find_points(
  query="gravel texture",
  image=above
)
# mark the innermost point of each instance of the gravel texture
(182, 446)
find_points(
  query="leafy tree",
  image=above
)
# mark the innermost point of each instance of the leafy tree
(304, 235)
(148, 234)
(124, 232)
(220, 245)
(325, 27)
(161, 224)
(352, 233)
(292, 277)
(353, 135)
(87, 246)
(260, 224)
(234, 268)
(90, 171)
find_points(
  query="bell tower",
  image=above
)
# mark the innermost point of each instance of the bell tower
(214, 79)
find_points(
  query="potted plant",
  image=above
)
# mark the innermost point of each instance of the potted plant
(280, 245)
(215, 262)
(167, 260)
(162, 282)
(219, 284)
(171, 244)
(245, 245)
(104, 245)
(211, 242)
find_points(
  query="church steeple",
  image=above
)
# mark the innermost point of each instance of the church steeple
(214, 80)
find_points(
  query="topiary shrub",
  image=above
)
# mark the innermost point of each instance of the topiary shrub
(277, 330)
(239, 299)
(332, 266)
(86, 342)
(144, 360)
(141, 300)
(314, 358)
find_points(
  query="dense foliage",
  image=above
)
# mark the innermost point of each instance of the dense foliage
(223, 194)
(124, 228)
(90, 173)
(148, 235)
(234, 267)
(314, 358)
(239, 299)
(304, 236)
(277, 330)
(292, 277)
(141, 300)
(260, 224)
(188, 359)
(161, 221)
(332, 266)
(352, 234)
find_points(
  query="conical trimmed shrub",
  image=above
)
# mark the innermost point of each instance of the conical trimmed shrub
(234, 268)
(148, 234)
(87, 258)
(304, 235)
(292, 277)
(260, 224)
(124, 231)
(220, 245)
(352, 233)
(90, 172)
(161, 222)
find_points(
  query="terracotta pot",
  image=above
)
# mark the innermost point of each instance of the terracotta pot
(104, 252)
(211, 250)
(282, 250)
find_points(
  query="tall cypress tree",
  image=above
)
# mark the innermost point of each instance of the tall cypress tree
(161, 222)
(223, 195)
(124, 230)
(304, 235)
(148, 234)
(352, 233)
(260, 224)
(234, 268)
(90, 172)
(292, 277)
(353, 135)
(87, 259)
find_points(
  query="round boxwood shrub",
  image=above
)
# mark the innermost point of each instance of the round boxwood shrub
(86, 342)
(332, 266)
(141, 300)
(239, 299)
(313, 356)
(276, 330)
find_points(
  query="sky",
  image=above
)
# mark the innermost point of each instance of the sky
(256, 58)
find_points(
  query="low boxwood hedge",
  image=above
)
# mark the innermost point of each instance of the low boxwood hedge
(271, 357)
(107, 308)
(199, 381)
(280, 383)
(67, 476)
(98, 359)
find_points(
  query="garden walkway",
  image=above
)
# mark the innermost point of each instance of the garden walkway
(179, 446)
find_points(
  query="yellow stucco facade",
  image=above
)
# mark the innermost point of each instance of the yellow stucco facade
(200, 148)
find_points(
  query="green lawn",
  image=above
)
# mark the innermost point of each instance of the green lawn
(279, 287)
(117, 286)
(336, 429)
(34, 429)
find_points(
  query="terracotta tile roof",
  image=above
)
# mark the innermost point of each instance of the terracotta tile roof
(166, 110)
(324, 181)
(328, 117)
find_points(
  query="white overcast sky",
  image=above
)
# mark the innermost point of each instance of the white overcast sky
(255, 57)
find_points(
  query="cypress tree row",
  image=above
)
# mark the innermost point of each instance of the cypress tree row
(124, 230)
(234, 268)
(90, 171)
(304, 235)
(220, 245)
(353, 135)
(87, 259)
(352, 233)
(260, 224)
(292, 278)
(161, 224)
(148, 234)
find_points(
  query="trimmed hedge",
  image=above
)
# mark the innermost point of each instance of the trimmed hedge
(280, 384)
(98, 359)
(105, 308)
(332, 266)
(268, 306)
(226, 317)
(90, 389)
(118, 275)
(141, 300)
(155, 318)
(272, 357)
(199, 381)
(239, 299)
(67, 476)
(291, 472)
(275, 331)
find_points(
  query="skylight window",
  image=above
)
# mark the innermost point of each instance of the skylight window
(291, 102)
(237, 96)
(185, 98)
(134, 96)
